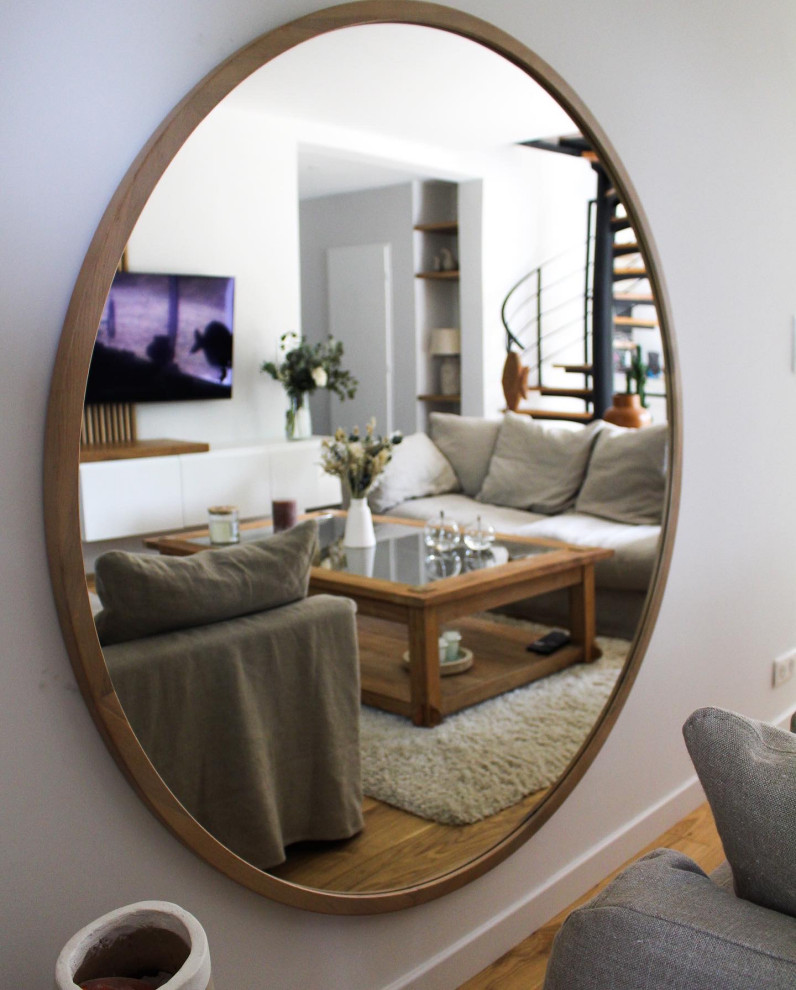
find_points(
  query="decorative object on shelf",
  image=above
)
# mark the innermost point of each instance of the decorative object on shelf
(448, 262)
(303, 369)
(357, 461)
(148, 944)
(447, 667)
(223, 525)
(453, 639)
(446, 345)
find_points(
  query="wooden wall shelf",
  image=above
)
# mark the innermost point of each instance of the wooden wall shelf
(443, 227)
(449, 399)
(139, 448)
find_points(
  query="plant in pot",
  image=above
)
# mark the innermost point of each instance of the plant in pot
(630, 407)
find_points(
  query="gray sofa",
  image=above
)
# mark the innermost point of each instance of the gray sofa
(662, 924)
(243, 692)
(599, 485)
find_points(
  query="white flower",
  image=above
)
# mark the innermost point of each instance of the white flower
(319, 376)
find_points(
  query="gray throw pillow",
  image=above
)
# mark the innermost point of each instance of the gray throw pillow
(418, 468)
(467, 442)
(537, 466)
(626, 479)
(147, 594)
(748, 772)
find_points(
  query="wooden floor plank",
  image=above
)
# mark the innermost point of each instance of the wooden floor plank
(523, 968)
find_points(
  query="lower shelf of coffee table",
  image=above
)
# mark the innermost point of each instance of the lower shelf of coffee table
(500, 663)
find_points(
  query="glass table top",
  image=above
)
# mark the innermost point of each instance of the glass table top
(402, 553)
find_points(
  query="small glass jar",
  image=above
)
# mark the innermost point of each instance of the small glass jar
(223, 525)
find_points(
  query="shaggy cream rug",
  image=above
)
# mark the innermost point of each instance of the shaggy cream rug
(486, 758)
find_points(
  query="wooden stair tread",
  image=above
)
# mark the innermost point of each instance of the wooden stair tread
(576, 369)
(620, 223)
(641, 298)
(631, 321)
(628, 247)
(623, 273)
(573, 417)
(586, 394)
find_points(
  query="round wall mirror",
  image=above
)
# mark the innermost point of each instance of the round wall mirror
(265, 170)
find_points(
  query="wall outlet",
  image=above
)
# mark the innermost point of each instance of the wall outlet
(784, 668)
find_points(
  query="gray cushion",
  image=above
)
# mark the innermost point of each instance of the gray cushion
(537, 466)
(748, 772)
(626, 478)
(418, 468)
(145, 594)
(664, 925)
(467, 442)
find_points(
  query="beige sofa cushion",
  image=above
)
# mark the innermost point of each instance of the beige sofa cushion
(537, 466)
(626, 479)
(146, 594)
(467, 442)
(418, 468)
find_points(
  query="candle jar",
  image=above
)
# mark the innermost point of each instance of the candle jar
(223, 525)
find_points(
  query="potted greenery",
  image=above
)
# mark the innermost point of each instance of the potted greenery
(303, 369)
(630, 407)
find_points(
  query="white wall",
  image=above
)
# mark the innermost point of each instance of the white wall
(706, 133)
(228, 205)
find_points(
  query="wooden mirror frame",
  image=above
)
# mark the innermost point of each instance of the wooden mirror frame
(62, 446)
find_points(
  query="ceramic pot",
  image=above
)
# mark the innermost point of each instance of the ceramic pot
(359, 525)
(627, 410)
(143, 939)
(298, 420)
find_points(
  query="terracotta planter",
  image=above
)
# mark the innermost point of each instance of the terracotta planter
(143, 939)
(627, 410)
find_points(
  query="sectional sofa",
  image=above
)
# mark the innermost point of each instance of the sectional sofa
(599, 485)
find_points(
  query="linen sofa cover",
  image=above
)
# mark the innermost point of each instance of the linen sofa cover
(253, 723)
(252, 719)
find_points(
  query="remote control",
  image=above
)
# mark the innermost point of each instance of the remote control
(549, 643)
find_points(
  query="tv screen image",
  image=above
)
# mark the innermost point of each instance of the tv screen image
(164, 338)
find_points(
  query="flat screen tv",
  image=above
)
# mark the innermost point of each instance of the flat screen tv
(163, 338)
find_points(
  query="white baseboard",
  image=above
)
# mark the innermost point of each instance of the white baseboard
(462, 960)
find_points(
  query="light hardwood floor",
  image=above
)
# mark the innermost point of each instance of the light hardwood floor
(524, 967)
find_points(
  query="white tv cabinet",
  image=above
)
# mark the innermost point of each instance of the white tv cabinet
(135, 496)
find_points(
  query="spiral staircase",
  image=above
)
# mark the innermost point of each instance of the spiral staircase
(579, 315)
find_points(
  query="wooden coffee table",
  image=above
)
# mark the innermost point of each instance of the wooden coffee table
(400, 608)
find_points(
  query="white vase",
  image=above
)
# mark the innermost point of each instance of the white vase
(147, 937)
(360, 560)
(359, 525)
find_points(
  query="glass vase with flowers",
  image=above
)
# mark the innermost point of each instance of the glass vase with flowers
(303, 368)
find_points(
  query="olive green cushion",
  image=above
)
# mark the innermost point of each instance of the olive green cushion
(146, 594)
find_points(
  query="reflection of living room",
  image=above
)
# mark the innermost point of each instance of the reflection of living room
(296, 209)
